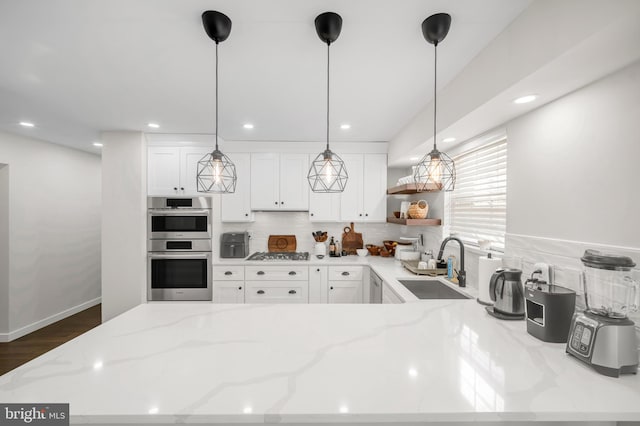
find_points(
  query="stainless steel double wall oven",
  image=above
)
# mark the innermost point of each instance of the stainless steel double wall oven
(179, 249)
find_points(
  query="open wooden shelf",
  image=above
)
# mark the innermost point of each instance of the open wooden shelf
(415, 222)
(410, 188)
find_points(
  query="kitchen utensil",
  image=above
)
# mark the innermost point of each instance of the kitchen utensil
(418, 209)
(282, 243)
(549, 311)
(505, 289)
(603, 336)
(351, 240)
(486, 268)
(362, 252)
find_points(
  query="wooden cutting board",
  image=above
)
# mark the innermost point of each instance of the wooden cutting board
(351, 240)
(282, 243)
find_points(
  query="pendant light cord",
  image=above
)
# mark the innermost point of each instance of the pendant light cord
(328, 44)
(435, 93)
(216, 96)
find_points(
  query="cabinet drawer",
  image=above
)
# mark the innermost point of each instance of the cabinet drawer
(277, 273)
(228, 273)
(345, 273)
(276, 292)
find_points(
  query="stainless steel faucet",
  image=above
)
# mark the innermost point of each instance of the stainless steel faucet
(462, 275)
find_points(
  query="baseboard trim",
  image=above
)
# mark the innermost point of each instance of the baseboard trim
(16, 334)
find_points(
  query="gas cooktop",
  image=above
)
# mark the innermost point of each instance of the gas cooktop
(263, 255)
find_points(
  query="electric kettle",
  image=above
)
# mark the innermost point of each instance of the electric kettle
(506, 291)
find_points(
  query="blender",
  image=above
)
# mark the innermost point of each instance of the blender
(603, 336)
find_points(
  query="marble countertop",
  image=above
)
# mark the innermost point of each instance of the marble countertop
(430, 361)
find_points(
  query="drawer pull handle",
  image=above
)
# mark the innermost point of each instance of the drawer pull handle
(345, 273)
(292, 292)
(260, 291)
(292, 273)
(260, 272)
(228, 273)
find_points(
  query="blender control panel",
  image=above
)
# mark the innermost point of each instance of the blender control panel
(582, 335)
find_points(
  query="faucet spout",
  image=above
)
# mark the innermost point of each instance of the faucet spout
(462, 274)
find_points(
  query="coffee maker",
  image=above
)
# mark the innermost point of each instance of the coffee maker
(603, 336)
(505, 289)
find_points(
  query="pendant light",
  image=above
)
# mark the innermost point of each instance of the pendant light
(436, 170)
(328, 173)
(216, 172)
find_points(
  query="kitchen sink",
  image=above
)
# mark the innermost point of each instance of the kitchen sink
(432, 289)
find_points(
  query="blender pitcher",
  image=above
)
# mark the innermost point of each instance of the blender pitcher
(609, 289)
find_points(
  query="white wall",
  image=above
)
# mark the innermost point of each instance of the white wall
(124, 197)
(54, 232)
(4, 248)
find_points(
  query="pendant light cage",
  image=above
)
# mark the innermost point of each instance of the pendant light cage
(328, 173)
(436, 171)
(216, 174)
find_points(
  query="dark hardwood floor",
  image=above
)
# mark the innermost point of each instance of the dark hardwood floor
(14, 354)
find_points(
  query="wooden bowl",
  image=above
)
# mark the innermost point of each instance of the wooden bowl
(373, 250)
(384, 253)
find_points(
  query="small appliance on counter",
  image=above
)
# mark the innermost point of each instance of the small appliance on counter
(487, 266)
(234, 245)
(603, 336)
(549, 310)
(505, 289)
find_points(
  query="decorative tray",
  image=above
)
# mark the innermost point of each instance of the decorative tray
(412, 265)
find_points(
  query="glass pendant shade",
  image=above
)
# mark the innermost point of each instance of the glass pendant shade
(327, 173)
(435, 172)
(216, 173)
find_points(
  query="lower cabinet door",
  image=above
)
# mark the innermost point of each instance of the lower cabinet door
(344, 292)
(277, 292)
(228, 292)
(388, 296)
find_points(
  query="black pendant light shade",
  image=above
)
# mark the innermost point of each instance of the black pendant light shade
(216, 172)
(328, 173)
(436, 170)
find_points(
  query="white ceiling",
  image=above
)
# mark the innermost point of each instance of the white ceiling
(75, 68)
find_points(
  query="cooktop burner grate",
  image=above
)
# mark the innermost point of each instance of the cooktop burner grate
(263, 255)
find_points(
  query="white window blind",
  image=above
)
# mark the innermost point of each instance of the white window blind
(478, 204)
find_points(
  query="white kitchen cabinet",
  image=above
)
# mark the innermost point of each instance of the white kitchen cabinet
(324, 207)
(345, 284)
(279, 182)
(277, 292)
(389, 296)
(228, 292)
(365, 196)
(318, 284)
(173, 170)
(236, 207)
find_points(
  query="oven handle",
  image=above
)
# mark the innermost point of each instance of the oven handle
(178, 212)
(179, 256)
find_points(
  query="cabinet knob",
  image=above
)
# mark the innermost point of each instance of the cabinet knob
(239, 288)
(260, 291)
(246, 214)
(330, 288)
(366, 214)
(276, 203)
(360, 214)
(228, 273)
(181, 188)
(292, 273)
(345, 273)
(260, 272)
(292, 292)
(318, 270)
(311, 214)
(175, 188)
(281, 202)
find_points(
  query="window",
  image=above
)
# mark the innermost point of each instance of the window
(478, 204)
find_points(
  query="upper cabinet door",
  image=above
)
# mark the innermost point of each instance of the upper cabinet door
(294, 187)
(189, 158)
(164, 171)
(324, 207)
(351, 209)
(375, 187)
(236, 207)
(265, 176)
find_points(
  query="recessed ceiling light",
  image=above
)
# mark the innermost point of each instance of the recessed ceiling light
(98, 144)
(248, 126)
(345, 126)
(449, 140)
(414, 158)
(525, 99)
(154, 125)
(27, 124)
